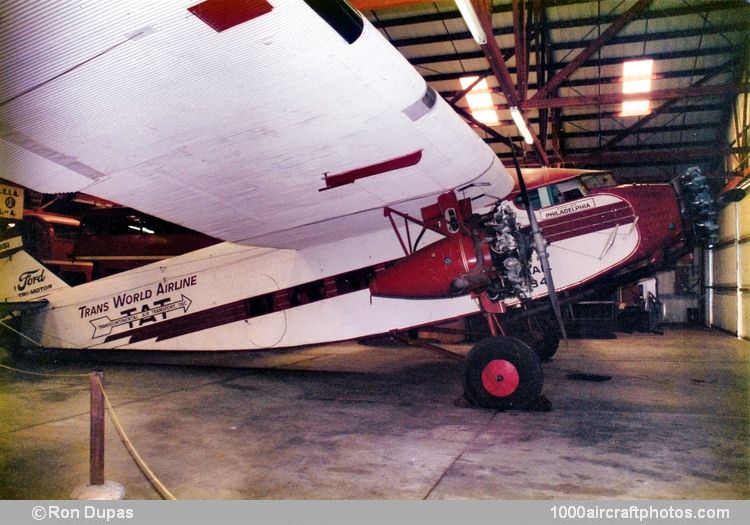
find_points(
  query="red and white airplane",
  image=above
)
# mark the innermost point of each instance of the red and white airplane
(293, 131)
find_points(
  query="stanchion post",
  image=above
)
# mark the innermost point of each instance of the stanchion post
(96, 446)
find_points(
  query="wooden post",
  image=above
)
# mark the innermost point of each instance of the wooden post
(96, 447)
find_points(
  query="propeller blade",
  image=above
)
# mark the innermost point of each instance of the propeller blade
(540, 245)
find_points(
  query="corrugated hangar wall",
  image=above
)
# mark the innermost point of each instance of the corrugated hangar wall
(728, 271)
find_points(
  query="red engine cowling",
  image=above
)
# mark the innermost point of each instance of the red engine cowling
(446, 268)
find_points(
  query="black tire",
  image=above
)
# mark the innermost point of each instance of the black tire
(544, 340)
(512, 357)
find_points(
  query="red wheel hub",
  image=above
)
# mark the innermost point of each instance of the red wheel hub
(500, 378)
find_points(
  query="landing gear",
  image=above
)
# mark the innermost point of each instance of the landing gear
(539, 332)
(542, 335)
(502, 373)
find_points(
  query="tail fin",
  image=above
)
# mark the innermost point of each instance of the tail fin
(23, 278)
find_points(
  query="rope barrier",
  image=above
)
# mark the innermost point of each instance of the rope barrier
(40, 373)
(155, 482)
(37, 343)
(3, 323)
(158, 485)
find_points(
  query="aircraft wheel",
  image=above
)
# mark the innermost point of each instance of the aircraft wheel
(544, 340)
(502, 373)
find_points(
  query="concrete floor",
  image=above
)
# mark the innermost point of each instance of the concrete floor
(347, 421)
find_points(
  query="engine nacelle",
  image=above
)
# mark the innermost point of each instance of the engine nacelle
(489, 255)
(430, 272)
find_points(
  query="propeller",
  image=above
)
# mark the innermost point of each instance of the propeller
(540, 245)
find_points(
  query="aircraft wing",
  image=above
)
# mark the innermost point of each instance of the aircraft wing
(268, 123)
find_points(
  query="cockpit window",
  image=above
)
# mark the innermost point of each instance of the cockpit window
(534, 199)
(553, 194)
(570, 190)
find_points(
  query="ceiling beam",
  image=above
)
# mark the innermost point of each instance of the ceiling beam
(519, 32)
(499, 67)
(551, 86)
(497, 136)
(701, 126)
(578, 117)
(737, 26)
(668, 12)
(384, 4)
(677, 128)
(616, 98)
(461, 94)
(689, 73)
(675, 155)
(666, 55)
(542, 56)
(494, 55)
(625, 133)
(639, 38)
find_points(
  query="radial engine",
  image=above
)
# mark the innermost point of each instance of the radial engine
(484, 253)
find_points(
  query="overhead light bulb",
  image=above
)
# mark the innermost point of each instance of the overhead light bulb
(472, 21)
(521, 125)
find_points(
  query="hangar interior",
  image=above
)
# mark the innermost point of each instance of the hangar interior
(575, 51)
(658, 412)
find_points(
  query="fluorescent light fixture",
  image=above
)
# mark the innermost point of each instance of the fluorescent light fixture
(472, 21)
(481, 105)
(521, 125)
(636, 78)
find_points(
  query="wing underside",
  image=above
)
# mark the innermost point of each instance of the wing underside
(276, 131)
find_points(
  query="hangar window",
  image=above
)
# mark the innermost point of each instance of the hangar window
(481, 104)
(338, 14)
(636, 75)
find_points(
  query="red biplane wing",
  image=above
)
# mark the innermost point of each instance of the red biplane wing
(269, 123)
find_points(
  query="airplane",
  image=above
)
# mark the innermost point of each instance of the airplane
(351, 198)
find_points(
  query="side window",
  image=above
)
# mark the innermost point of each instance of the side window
(571, 190)
(354, 280)
(260, 305)
(555, 196)
(307, 293)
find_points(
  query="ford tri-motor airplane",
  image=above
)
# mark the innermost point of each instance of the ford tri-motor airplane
(353, 200)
